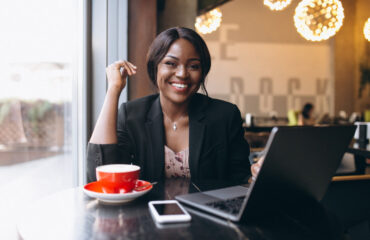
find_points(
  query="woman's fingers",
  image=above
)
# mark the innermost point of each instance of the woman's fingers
(117, 66)
(132, 65)
(117, 73)
(255, 168)
(127, 67)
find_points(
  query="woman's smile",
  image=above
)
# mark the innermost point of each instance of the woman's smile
(180, 86)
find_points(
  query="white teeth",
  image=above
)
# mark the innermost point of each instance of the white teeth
(178, 85)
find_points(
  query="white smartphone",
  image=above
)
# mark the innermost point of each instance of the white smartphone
(168, 211)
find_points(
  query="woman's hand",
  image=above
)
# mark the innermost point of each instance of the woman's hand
(255, 168)
(117, 73)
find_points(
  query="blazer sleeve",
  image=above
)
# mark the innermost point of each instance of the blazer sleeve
(102, 154)
(239, 149)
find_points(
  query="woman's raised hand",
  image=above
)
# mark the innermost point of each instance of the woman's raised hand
(117, 73)
(105, 131)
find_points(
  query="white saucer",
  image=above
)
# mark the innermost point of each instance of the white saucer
(94, 190)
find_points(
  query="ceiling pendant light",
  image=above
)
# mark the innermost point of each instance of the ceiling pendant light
(318, 20)
(367, 29)
(277, 5)
(209, 21)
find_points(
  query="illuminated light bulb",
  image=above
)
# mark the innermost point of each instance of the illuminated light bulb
(318, 20)
(367, 30)
(277, 5)
(208, 22)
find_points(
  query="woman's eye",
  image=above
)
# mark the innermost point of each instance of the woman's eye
(170, 63)
(195, 66)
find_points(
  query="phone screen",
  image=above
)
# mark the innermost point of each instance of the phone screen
(168, 209)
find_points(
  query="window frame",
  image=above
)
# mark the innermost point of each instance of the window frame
(104, 42)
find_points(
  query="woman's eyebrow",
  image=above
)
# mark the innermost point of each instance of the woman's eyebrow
(194, 59)
(172, 57)
(190, 59)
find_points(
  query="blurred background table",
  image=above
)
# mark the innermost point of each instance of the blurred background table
(258, 135)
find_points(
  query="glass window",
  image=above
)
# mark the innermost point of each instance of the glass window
(38, 64)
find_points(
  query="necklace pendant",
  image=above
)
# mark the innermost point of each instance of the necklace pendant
(174, 127)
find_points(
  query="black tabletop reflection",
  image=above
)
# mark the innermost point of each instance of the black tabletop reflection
(70, 214)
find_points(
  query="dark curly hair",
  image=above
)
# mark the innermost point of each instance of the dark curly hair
(306, 109)
(163, 42)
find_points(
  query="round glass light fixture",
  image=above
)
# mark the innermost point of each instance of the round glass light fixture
(318, 20)
(209, 21)
(367, 29)
(277, 5)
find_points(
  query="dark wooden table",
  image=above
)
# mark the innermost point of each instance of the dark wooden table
(70, 214)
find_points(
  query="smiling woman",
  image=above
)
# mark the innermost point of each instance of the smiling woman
(178, 132)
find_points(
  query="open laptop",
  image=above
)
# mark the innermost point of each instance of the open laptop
(299, 164)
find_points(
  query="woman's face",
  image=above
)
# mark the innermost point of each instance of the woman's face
(179, 73)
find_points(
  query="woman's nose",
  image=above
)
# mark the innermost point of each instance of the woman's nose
(181, 72)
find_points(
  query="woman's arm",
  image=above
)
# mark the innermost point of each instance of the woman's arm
(103, 146)
(105, 128)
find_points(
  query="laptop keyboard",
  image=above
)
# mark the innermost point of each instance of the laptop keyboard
(232, 205)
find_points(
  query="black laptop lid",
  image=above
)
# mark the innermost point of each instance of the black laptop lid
(299, 164)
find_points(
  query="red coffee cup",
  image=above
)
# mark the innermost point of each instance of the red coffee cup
(117, 178)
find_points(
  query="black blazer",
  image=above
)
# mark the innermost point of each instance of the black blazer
(217, 148)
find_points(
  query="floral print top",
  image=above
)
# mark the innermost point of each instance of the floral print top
(176, 164)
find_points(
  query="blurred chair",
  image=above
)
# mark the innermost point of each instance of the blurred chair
(12, 132)
(324, 119)
(367, 116)
(293, 117)
(255, 155)
(256, 139)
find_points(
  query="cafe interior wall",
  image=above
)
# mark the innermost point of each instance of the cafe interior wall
(173, 13)
(263, 65)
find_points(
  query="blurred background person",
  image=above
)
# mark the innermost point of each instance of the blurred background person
(306, 115)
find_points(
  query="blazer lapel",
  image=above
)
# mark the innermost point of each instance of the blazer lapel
(155, 132)
(196, 133)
